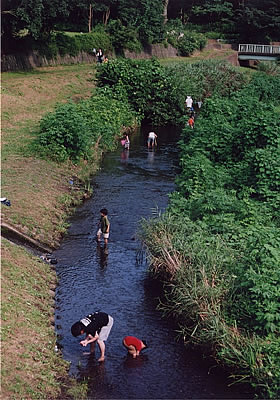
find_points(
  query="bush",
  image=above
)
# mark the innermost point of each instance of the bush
(150, 90)
(64, 133)
(185, 41)
(72, 130)
(63, 44)
(123, 37)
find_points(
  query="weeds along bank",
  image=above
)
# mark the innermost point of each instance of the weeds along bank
(217, 247)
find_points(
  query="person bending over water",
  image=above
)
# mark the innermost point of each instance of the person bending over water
(97, 327)
(134, 345)
(152, 139)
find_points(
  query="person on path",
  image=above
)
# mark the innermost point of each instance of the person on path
(97, 327)
(152, 139)
(189, 102)
(103, 226)
(134, 345)
(191, 122)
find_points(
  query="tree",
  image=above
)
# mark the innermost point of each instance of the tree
(38, 17)
(259, 21)
(165, 10)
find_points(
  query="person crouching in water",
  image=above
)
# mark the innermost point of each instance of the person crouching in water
(134, 345)
(97, 327)
(103, 226)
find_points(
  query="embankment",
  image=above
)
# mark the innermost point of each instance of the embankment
(41, 201)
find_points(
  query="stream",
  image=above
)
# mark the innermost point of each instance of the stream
(132, 185)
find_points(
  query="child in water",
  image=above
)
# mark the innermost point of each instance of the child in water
(103, 226)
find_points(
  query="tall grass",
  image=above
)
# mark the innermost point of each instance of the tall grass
(196, 269)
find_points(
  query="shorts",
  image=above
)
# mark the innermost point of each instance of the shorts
(105, 330)
(151, 140)
(105, 235)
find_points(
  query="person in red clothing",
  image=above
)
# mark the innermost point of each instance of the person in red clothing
(134, 345)
(191, 122)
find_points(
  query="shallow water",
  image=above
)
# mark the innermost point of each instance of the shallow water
(131, 185)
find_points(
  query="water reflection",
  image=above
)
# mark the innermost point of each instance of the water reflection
(151, 156)
(124, 156)
(102, 252)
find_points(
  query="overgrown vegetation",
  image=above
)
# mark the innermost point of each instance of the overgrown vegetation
(218, 246)
(183, 39)
(72, 130)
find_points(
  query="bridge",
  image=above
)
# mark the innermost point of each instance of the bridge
(261, 52)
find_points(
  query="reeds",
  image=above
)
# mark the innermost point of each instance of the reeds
(196, 270)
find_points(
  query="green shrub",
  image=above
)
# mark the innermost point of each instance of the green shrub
(64, 133)
(183, 40)
(123, 37)
(63, 44)
(96, 39)
(67, 44)
(150, 90)
(72, 130)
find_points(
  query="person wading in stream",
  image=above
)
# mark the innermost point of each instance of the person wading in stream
(97, 327)
(134, 345)
(103, 226)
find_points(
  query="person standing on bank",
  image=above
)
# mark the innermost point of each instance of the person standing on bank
(97, 327)
(152, 139)
(99, 56)
(103, 226)
(134, 345)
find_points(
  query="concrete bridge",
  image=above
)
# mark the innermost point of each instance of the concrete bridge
(257, 52)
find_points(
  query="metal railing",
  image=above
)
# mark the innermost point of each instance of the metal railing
(259, 49)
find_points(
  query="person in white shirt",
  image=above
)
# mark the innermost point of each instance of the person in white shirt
(189, 102)
(152, 139)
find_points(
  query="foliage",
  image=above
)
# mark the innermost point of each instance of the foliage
(228, 193)
(123, 37)
(254, 20)
(198, 270)
(186, 41)
(145, 17)
(269, 67)
(72, 130)
(64, 133)
(38, 17)
(206, 78)
(63, 44)
(149, 88)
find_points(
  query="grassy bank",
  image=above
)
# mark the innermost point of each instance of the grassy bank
(41, 199)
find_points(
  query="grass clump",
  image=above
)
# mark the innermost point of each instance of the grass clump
(198, 272)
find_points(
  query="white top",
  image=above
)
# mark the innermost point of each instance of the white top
(189, 101)
(152, 135)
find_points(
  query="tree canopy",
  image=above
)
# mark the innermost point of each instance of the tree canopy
(251, 20)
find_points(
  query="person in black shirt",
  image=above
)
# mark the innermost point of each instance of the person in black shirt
(97, 327)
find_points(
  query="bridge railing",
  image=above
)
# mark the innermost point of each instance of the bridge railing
(258, 49)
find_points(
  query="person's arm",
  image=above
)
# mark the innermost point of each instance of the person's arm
(108, 227)
(89, 339)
